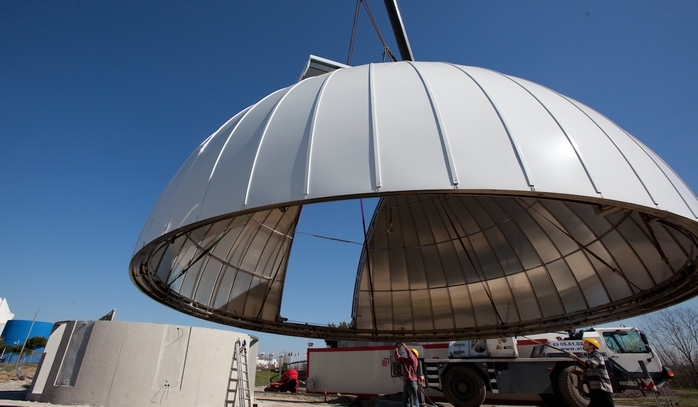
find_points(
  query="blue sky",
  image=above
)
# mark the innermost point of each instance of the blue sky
(102, 101)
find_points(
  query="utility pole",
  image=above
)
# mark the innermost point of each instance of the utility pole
(26, 339)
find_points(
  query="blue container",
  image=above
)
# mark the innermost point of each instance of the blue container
(15, 332)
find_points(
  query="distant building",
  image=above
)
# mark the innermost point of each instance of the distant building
(17, 331)
(5, 314)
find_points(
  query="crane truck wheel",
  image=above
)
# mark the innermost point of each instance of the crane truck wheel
(463, 387)
(572, 390)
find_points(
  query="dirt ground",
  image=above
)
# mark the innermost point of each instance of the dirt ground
(13, 390)
(8, 374)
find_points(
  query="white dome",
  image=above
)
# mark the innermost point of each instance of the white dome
(524, 164)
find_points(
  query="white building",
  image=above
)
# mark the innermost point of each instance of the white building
(5, 314)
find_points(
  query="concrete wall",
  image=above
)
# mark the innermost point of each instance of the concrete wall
(107, 363)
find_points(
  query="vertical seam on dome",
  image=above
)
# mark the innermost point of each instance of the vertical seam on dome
(269, 117)
(373, 136)
(650, 156)
(222, 150)
(174, 203)
(514, 145)
(311, 133)
(569, 140)
(199, 150)
(220, 153)
(445, 145)
(620, 151)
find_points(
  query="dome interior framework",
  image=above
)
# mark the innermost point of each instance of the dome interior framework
(439, 267)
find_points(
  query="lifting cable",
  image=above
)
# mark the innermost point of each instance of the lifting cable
(203, 253)
(329, 238)
(352, 41)
(368, 264)
(646, 220)
(386, 50)
(270, 285)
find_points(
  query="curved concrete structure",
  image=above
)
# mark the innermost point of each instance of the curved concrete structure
(506, 208)
(107, 363)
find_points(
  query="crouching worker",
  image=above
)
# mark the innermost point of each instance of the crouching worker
(288, 382)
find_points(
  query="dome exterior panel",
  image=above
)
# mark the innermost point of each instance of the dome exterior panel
(663, 193)
(339, 146)
(550, 159)
(284, 147)
(677, 183)
(158, 222)
(681, 191)
(227, 188)
(410, 152)
(187, 206)
(473, 130)
(596, 151)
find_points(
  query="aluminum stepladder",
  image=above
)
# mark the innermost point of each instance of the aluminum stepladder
(239, 379)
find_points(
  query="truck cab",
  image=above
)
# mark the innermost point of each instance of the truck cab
(538, 369)
(630, 359)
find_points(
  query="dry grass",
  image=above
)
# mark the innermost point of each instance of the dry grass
(8, 372)
(682, 398)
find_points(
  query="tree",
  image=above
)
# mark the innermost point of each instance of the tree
(332, 343)
(674, 336)
(35, 342)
